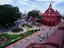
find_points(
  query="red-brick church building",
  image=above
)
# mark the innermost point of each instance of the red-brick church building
(51, 17)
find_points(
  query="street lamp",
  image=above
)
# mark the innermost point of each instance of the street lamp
(47, 36)
(32, 42)
(39, 36)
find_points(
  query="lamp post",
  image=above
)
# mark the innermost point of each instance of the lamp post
(47, 36)
(41, 38)
(40, 34)
(32, 42)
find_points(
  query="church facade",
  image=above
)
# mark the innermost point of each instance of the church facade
(51, 17)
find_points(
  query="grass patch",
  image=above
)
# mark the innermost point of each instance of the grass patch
(12, 38)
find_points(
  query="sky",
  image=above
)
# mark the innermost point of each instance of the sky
(41, 5)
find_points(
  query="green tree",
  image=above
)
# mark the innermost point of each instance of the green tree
(8, 14)
(34, 14)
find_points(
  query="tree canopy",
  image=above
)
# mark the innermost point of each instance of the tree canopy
(33, 13)
(8, 14)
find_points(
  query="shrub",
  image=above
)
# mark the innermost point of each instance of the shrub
(17, 30)
(15, 37)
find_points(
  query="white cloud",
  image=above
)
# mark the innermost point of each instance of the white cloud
(57, 2)
(27, 5)
(32, 5)
(5, 1)
(50, 0)
(42, 0)
(26, 2)
(22, 2)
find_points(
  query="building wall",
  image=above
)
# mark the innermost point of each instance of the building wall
(51, 19)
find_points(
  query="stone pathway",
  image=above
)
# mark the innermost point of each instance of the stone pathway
(33, 38)
(23, 43)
